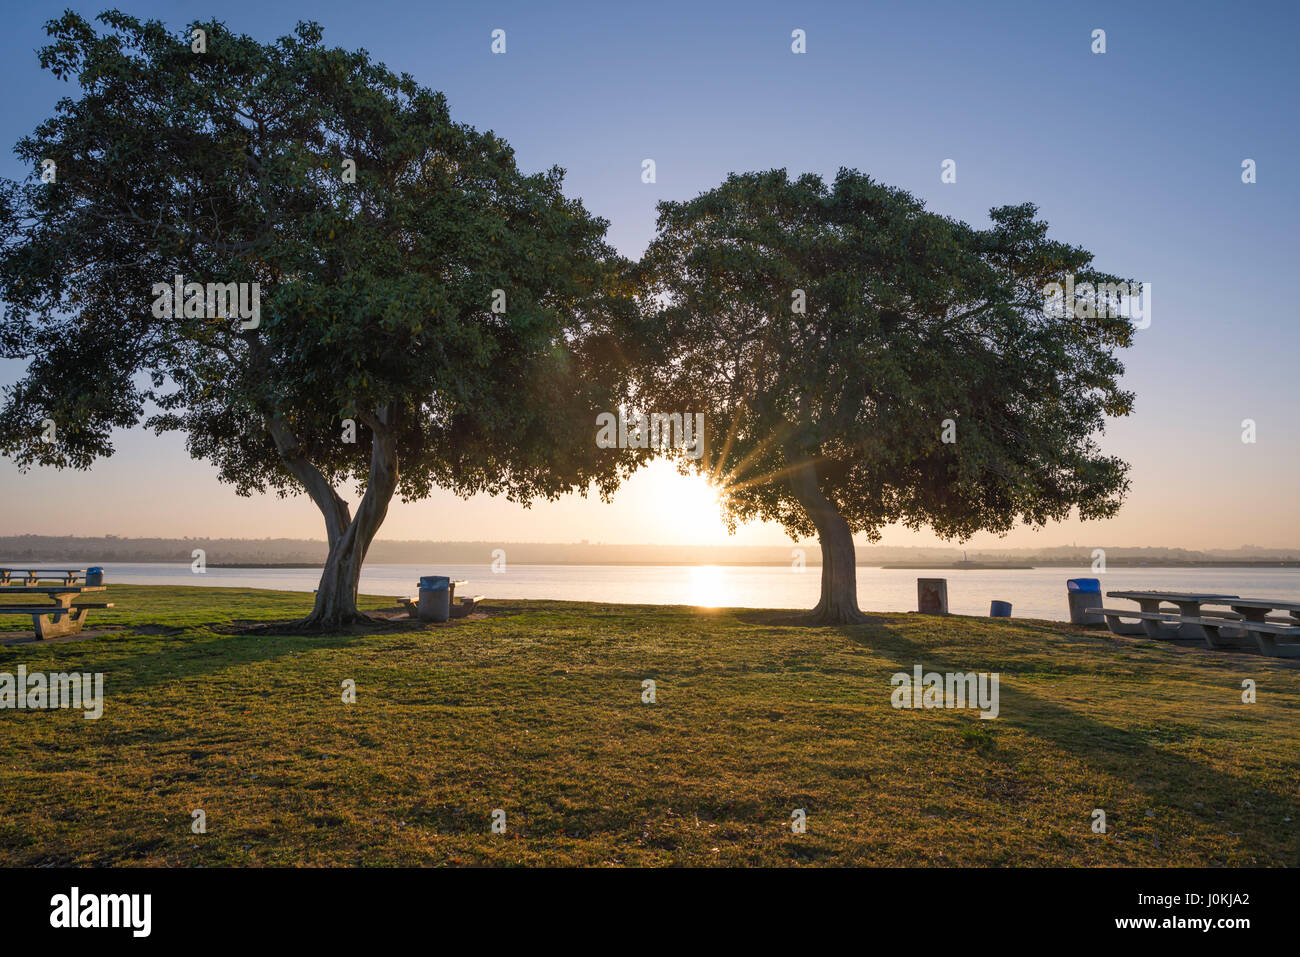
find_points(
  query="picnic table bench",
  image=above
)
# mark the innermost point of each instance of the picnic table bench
(61, 616)
(1252, 618)
(1257, 609)
(1266, 634)
(1222, 630)
(1154, 622)
(34, 576)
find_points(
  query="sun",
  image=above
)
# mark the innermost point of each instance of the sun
(687, 504)
(707, 586)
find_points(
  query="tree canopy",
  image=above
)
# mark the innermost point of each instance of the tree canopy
(459, 316)
(863, 361)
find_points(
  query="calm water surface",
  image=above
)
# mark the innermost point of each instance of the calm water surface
(1033, 593)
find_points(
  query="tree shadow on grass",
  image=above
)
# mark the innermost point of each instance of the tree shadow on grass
(196, 651)
(1110, 750)
(792, 618)
(377, 621)
(173, 659)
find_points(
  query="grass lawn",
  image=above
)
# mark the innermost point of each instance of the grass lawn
(537, 710)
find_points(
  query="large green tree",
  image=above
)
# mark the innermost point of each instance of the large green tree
(418, 293)
(862, 361)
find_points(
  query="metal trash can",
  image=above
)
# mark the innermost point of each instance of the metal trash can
(1084, 593)
(94, 576)
(932, 596)
(1000, 609)
(435, 598)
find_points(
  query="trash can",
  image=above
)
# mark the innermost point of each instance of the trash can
(1084, 593)
(1000, 609)
(435, 598)
(932, 596)
(94, 576)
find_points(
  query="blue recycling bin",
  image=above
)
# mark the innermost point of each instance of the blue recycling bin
(1000, 609)
(1084, 593)
(94, 576)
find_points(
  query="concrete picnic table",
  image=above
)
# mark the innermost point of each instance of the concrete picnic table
(1248, 609)
(1257, 609)
(1249, 618)
(1189, 606)
(34, 576)
(61, 616)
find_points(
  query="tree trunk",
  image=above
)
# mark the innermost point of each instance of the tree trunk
(336, 595)
(839, 597)
(349, 538)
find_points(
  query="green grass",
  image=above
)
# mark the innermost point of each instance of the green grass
(538, 711)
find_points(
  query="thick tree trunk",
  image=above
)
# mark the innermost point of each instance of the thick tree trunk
(839, 597)
(349, 537)
(336, 595)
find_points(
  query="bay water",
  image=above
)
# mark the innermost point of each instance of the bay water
(1033, 593)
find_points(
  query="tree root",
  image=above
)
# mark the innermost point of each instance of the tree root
(823, 616)
(314, 624)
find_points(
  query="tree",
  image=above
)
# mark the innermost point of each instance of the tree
(862, 362)
(427, 315)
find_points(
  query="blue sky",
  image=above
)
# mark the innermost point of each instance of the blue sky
(1135, 154)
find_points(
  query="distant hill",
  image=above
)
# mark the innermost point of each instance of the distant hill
(290, 551)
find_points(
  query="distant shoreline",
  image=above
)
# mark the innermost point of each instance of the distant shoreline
(972, 566)
(311, 553)
(959, 566)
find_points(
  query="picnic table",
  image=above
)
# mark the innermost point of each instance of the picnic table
(1158, 624)
(1252, 619)
(34, 576)
(61, 615)
(1248, 617)
(1257, 609)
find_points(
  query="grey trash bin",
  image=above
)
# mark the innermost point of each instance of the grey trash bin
(94, 576)
(1084, 593)
(435, 598)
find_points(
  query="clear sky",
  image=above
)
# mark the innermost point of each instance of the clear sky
(1135, 154)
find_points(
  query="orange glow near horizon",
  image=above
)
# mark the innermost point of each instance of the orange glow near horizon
(152, 488)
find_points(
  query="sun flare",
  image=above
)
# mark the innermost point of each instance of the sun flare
(689, 503)
(707, 586)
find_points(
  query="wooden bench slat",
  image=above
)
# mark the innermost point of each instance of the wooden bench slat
(50, 589)
(51, 609)
(61, 617)
(34, 610)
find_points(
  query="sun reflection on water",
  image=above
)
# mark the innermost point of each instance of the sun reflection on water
(708, 587)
